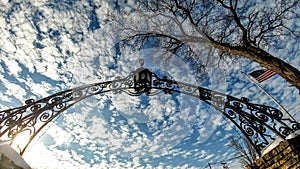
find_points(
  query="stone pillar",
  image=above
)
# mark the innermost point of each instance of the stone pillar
(11, 159)
(286, 155)
(5, 162)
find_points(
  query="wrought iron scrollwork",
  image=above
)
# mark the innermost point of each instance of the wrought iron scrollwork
(259, 123)
(34, 115)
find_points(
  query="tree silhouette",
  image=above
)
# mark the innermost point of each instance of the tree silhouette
(244, 151)
(170, 44)
(218, 30)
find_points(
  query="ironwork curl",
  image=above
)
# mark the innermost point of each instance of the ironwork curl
(259, 123)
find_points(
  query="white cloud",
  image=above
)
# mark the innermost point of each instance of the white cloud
(12, 66)
(88, 61)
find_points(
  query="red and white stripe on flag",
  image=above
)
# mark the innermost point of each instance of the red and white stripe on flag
(262, 75)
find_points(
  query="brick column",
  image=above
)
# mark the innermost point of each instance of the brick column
(285, 156)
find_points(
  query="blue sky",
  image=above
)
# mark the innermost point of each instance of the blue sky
(51, 46)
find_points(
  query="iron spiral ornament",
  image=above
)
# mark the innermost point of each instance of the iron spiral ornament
(260, 124)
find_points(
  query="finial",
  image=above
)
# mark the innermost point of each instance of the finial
(141, 61)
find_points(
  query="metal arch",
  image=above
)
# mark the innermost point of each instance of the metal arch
(259, 123)
(35, 115)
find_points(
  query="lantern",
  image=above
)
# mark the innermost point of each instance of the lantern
(142, 79)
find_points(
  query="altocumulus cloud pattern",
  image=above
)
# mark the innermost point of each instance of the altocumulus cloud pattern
(50, 46)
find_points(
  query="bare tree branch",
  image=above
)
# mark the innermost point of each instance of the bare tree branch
(244, 151)
(235, 28)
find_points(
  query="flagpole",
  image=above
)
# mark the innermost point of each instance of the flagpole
(278, 104)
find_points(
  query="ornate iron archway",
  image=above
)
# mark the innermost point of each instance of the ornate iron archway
(259, 123)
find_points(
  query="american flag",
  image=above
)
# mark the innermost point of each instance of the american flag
(262, 74)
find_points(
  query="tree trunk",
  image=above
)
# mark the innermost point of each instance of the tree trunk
(265, 59)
